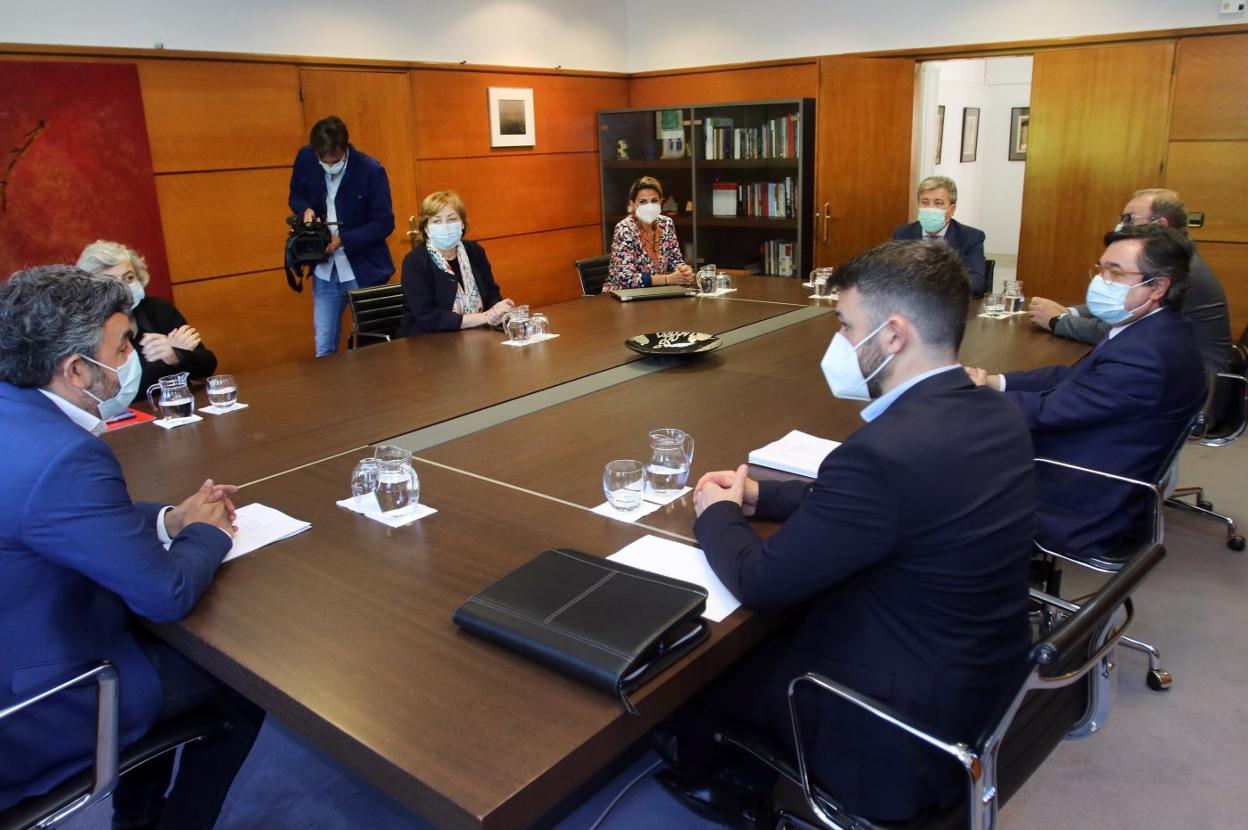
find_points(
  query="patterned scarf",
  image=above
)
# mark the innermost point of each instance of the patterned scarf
(467, 295)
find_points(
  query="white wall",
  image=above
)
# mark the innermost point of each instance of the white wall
(667, 33)
(576, 34)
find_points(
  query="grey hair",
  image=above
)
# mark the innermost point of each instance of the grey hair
(937, 182)
(49, 313)
(102, 254)
(1165, 204)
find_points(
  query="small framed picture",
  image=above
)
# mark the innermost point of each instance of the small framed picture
(970, 133)
(669, 124)
(511, 117)
(940, 131)
(1020, 117)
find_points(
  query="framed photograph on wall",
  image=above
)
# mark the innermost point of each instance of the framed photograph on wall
(970, 133)
(511, 117)
(940, 131)
(1020, 118)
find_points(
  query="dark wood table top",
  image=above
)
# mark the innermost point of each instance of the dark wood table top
(732, 401)
(345, 633)
(314, 409)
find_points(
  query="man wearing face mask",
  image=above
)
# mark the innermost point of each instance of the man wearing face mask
(1204, 304)
(1121, 408)
(938, 201)
(78, 559)
(334, 181)
(909, 552)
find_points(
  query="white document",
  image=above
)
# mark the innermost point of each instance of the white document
(798, 452)
(685, 562)
(221, 410)
(369, 507)
(649, 504)
(259, 526)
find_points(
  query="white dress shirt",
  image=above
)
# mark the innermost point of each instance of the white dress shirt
(339, 258)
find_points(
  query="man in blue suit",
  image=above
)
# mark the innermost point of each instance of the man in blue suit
(347, 188)
(1122, 408)
(78, 559)
(938, 201)
(909, 553)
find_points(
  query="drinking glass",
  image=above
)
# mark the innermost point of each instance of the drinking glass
(993, 306)
(538, 324)
(723, 280)
(222, 391)
(519, 329)
(363, 479)
(623, 482)
(1013, 297)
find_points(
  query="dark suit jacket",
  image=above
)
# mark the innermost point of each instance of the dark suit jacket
(161, 317)
(1118, 410)
(912, 554)
(429, 292)
(365, 217)
(76, 557)
(967, 241)
(1204, 306)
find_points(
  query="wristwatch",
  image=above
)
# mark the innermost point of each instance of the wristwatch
(1053, 322)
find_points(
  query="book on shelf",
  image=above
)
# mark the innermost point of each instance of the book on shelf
(774, 139)
(773, 200)
(724, 199)
(779, 257)
(718, 137)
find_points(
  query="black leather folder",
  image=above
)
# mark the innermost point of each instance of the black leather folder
(609, 625)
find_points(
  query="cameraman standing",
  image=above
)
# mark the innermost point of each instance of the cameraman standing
(337, 183)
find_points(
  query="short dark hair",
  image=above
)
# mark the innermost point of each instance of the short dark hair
(1166, 253)
(925, 282)
(328, 136)
(644, 183)
(52, 312)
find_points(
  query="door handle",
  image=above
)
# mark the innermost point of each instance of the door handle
(827, 214)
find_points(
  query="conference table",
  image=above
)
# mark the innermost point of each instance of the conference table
(344, 632)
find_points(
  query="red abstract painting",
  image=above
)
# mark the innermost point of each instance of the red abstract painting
(75, 166)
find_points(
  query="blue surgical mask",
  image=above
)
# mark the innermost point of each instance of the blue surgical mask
(932, 219)
(842, 371)
(1107, 300)
(129, 375)
(136, 294)
(335, 168)
(445, 237)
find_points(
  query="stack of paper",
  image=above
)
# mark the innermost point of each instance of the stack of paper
(797, 453)
(663, 556)
(259, 526)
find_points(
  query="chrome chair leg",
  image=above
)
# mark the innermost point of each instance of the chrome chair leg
(1159, 679)
(1203, 507)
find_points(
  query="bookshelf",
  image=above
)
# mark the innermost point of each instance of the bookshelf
(740, 174)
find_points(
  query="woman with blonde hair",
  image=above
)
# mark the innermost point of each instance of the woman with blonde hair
(447, 281)
(166, 343)
(644, 249)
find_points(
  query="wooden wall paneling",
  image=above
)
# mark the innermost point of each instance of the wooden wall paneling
(865, 114)
(1229, 262)
(219, 223)
(377, 108)
(728, 85)
(506, 195)
(1212, 177)
(452, 116)
(250, 321)
(1099, 124)
(537, 268)
(1211, 88)
(209, 115)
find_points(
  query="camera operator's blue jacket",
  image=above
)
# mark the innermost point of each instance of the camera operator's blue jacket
(365, 217)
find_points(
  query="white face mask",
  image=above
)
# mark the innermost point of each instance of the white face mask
(128, 377)
(335, 168)
(136, 294)
(648, 212)
(841, 370)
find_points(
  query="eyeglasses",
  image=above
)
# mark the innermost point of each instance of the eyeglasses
(1111, 274)
(1128, 219)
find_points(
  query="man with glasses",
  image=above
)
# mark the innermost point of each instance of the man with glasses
(1204, 304)
(1120, 409)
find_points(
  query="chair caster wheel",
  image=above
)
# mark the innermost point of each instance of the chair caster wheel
(1159, 680)
(1204, 504)
(1236, 542)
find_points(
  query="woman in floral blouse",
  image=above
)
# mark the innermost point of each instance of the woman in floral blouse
(644, 250)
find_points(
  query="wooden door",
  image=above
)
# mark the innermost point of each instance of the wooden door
(862, 161)
(377, 108)
(1099, 125)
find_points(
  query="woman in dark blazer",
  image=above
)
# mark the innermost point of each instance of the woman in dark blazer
(166, 343)
(447, 281)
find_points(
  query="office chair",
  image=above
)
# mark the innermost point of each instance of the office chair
(1226, 412)
(592, 272)
(92, 785)
(1055, 699)
(375, 313)
(990, 267)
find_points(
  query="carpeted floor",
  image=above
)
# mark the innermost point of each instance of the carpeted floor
(1172, 759)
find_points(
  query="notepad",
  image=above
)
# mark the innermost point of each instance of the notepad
(798, 452)
(259, 526)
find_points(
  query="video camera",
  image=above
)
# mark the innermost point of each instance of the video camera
(305, 247)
